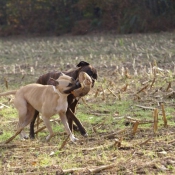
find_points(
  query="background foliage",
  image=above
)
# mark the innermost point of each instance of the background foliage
(83, 16)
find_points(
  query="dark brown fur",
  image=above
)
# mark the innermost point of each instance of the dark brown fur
(72, 101)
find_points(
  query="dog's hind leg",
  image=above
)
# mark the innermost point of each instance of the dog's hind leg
(32, 124)
(21, 106)
(26, 112)
(66, 126)
(46, 120)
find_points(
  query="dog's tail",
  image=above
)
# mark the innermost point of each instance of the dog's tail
(8, 93)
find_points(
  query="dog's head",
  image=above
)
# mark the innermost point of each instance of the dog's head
(89, 69)
(83, 66)
(65, 84)
(86, 84)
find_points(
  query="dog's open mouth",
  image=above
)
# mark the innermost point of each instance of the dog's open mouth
(82, 85)
(76, 86)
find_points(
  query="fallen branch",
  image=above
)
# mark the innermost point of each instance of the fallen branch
(142, 89)
(109, 136)
(170, 95)
(64, 143)
(11, 138)
(40, 121)
(84, 101)
(98, 114)
(90, 170)
(7, 145)
(137, 97)
(98, 169)
(117, 143)
(132, 120)
(124, 88)
(143, 143)
(145, 107)
(4, 105)
(152, 82)
(33, 170)
(172, 141)
(42, 128)
(111, 92)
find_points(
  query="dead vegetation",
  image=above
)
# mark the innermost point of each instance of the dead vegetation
(132, 129)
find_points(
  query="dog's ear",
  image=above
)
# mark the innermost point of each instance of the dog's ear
(82, 63)
(62, 74)
(53, 82)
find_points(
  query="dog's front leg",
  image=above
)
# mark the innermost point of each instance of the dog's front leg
(62, 115)
(78, 123)
(48, 126)
(71, 117)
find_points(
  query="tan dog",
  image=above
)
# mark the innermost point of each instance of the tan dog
(86, 84)
(47, 99)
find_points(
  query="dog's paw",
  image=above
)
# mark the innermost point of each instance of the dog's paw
(23, 136)
(85, 135)
(26, 137)
(73, 138)
(48, 138)
(32, 137)
(83, 132)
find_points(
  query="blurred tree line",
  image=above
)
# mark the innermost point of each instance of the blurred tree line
(83, 16)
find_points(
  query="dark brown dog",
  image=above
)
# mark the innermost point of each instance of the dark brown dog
(72, 101)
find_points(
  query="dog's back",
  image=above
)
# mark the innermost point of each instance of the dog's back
(32, 94)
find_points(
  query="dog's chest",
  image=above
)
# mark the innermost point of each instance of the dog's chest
(61, 104)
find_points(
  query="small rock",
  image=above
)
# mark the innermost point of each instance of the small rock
(52, 153)
(162, 153)
(162, 168)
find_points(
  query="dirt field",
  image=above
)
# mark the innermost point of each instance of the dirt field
(129, 114)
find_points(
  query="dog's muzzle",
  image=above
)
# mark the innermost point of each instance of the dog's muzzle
(76, 86)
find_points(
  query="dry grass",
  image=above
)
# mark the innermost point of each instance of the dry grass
(129, 114)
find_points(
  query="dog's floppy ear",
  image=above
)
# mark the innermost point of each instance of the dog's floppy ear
(53, 82)
(62, 74)
(82, 63)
